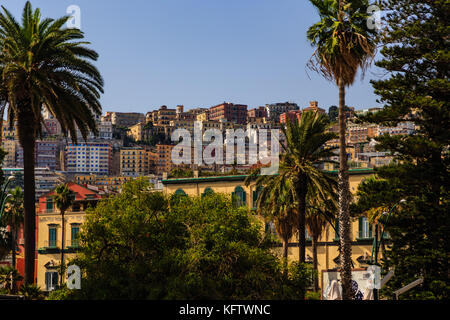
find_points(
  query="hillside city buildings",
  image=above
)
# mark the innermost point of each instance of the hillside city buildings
(131, 145)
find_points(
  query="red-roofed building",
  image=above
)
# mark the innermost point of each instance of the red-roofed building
(49, 232)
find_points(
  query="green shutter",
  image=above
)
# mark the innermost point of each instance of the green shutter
(360, 226)
(52, 237)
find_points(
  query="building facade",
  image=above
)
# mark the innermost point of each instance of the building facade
(328, 245)
(88, 157)
(236, 113)
(49, 233)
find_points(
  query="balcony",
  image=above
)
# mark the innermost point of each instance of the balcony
(50, 246)
(73, 243)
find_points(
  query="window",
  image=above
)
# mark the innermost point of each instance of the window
(239, 196)
(52, 236)
(256, 194)
(74, 235)
(180, 192)
(208, 191)
(365, 229)
(49, 205)
(51, 280)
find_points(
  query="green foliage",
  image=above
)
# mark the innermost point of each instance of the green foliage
(31, 292)
(144, 245)
(64, 197)
(55, 71)
(416, 54)
(343, 41)
(181, 173)
(312, 295)
(8, 276)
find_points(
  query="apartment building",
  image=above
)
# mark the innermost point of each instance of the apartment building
(259, 112)
(231, 112)
(134, 162)
(46, 155)
(162, 116)
(164, 157)
(123, 119)
(275, 110)
(10, 147)
(8, 133)
(108, 183)
(291, 115)
(88, 157)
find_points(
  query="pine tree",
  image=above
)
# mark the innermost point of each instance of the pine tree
(416, 56)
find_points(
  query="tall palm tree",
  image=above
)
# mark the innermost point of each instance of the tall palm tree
(45, 64)
(344, 44)
(64, 198)
(304, 154)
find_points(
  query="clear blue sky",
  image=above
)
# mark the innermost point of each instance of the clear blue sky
(202, 52)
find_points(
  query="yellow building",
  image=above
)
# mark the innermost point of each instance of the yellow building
(8, 132)
(10, 147)
(328, 254)
(136, 131)
(108, 182)
(49, 233)
(134, 162)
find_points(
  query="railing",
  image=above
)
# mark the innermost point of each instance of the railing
(51, 244)
(74, 243)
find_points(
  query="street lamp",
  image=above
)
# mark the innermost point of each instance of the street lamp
(376, 244)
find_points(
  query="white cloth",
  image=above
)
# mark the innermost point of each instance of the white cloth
(334, 291)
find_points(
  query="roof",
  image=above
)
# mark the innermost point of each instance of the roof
(242, 177)
(80, 191)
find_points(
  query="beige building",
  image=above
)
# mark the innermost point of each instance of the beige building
(134, 162)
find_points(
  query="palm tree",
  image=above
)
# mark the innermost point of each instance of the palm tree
(13, 217)
(45, 64)
(305, 153)
(276, 203)
(344, 44)
(64, 198)
(300, 166)
(320, 213)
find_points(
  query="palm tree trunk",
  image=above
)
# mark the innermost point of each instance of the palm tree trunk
(62, 249)
(26, 129)
(301, 223)
(315, 263)
(344, 198)
(29, 208)
(285, 256)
